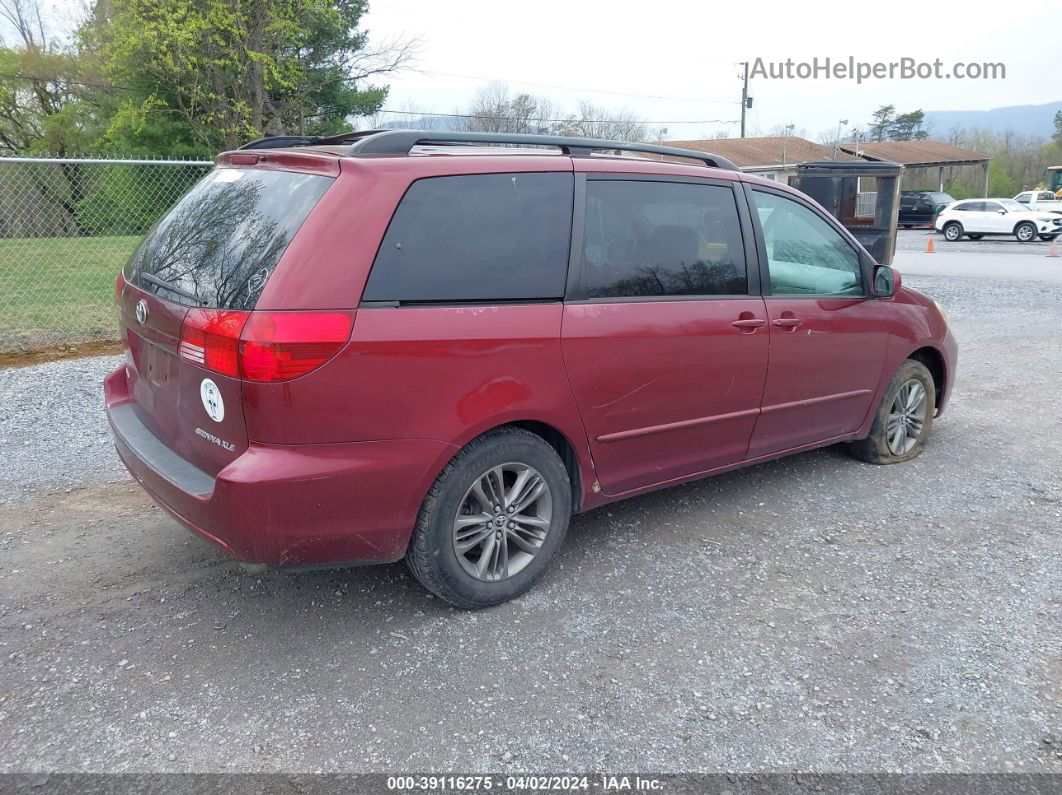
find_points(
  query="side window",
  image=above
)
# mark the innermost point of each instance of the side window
(644, 239)
(1024, 198)
(477, 238)
(991, 207)
(805, 255)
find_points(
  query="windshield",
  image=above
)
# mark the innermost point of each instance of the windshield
(219, 244)
(1012, 206)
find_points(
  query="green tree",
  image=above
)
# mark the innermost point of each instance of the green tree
(881, 121)
(908, 127)
(212, 74)
(38, 81)
(1057, 137)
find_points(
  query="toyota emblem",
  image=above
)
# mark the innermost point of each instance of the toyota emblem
(141, 312)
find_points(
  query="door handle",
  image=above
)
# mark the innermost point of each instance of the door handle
(787, 322)
(752, 322)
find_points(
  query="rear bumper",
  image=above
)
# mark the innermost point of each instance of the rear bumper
(286, 505)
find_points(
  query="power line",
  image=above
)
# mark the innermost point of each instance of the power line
(38, 78)
(576, 88)
(64, 81)
(586, 121)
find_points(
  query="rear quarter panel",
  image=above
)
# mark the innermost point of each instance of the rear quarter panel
(446, 373)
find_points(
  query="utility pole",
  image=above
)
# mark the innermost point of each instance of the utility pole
(746, 102)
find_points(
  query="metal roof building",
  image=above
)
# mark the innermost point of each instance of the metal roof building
(923, 155)
(774, 157)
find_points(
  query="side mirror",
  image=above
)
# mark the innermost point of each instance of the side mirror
(1003, 212)
(886, 281)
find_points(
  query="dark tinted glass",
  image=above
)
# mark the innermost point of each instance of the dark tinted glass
(477, 238)
(661, 238)
(221, 241)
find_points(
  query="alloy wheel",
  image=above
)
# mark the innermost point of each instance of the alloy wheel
(907, 417)
(502, 521)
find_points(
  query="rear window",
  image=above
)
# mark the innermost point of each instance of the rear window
(483, 237)
(219, 244)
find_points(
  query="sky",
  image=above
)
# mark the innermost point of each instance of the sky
(674, 63)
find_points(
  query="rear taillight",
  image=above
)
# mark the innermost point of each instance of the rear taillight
(210, 338)
(278, 346)
(262, 346)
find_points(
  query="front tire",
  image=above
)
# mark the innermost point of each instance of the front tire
(952, 231)
(1025, 232)
(492, 521)
(904, 418)
(1048, 238)
(975, 237)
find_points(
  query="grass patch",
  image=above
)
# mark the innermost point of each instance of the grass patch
(59, 291)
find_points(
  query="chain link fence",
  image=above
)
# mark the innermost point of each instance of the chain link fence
(67, 226)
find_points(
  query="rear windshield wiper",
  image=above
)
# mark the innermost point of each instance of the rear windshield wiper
(173, 288)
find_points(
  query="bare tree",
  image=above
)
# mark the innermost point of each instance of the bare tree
(593, 121)
(409, 117)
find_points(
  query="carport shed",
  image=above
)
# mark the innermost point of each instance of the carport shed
(915, 155)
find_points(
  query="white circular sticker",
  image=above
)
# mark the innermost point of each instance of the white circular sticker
(212, 402)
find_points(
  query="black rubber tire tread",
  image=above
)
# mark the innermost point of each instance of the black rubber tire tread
(875, 448)
(430, 555)
(944, 230)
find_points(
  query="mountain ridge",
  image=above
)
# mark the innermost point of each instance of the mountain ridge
(1036, 120)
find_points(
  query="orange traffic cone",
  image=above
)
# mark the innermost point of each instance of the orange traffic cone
(929, 247)
(1053, 251)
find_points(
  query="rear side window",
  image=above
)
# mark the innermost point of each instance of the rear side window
(219, 244)
(483, 237)
(645, 239)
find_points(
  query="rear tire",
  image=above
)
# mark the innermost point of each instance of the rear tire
(904, 418)
(975, 237)
(952, 231)
(1048, 238)
(474, 564)
(1025, 232)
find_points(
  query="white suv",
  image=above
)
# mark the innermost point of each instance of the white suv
(976, 218)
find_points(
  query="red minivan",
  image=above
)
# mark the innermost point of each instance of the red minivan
(439, 346)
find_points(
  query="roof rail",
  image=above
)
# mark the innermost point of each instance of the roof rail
(400, 142)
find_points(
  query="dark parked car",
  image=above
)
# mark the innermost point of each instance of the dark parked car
(362, 349)
(920, 207)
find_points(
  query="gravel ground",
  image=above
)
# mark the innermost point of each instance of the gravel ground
(53, 433)
(810, 614)
(916, 239)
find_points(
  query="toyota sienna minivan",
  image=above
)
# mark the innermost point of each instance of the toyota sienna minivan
(439, 346)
